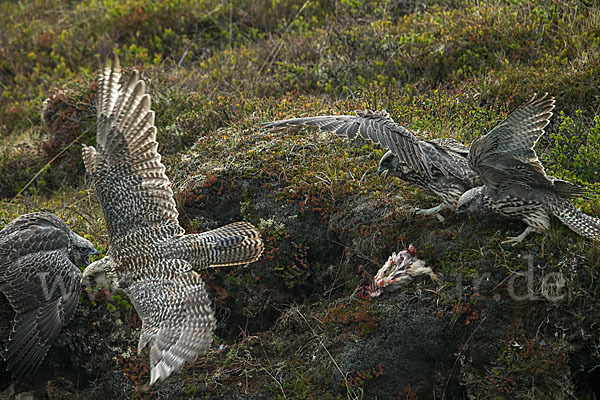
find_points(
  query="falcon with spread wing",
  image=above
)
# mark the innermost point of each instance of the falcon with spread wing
(438, 165)
(149, 256)
(39, 275)
(515, 183)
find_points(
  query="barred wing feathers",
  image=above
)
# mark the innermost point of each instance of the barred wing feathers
(449, 157)
(177, 320)
(451, 145)
(144, 234)
(506, 152)
(376, 126)
(41, 284)
(125, 169)
(43, 303)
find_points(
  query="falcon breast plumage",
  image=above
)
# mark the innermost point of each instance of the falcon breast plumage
(149, 256)
(438, 165)
(39, 275)
(515, 183)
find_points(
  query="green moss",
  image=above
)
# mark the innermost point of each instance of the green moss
(522, 363)
(305, 384)
(572, 148)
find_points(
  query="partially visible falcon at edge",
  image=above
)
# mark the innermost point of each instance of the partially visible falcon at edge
(438, 165)
(39, 275)
(149, 256)
(515, 183)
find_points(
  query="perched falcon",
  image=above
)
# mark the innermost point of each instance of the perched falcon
(438, 165)
(149, 257)
(515, 184)
(399, 270)
(39, 275)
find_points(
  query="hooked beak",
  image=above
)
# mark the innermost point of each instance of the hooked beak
(382, 171)
(92, 252)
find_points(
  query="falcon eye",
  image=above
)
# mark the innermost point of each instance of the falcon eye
(85, 253)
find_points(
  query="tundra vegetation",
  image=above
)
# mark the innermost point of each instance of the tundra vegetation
(505, 322)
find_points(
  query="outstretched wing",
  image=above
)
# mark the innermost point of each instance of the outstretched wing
(375, 126)
(125, 168)
(177, 320)
(451, 145)
(506, 152)
(41, 284)
(233, 244)
(450, 157)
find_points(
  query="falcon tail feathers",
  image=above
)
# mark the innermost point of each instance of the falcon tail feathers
(570, 190)
(233, 244)
(580, 223)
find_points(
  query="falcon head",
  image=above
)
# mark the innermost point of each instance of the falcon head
(471, 202)
(81, 250)
(398, 270)
(101, 273)
(390, 165)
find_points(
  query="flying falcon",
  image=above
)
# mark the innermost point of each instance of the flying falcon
(515, 183)
(438, 165)
(149, 256)
(39, 275)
